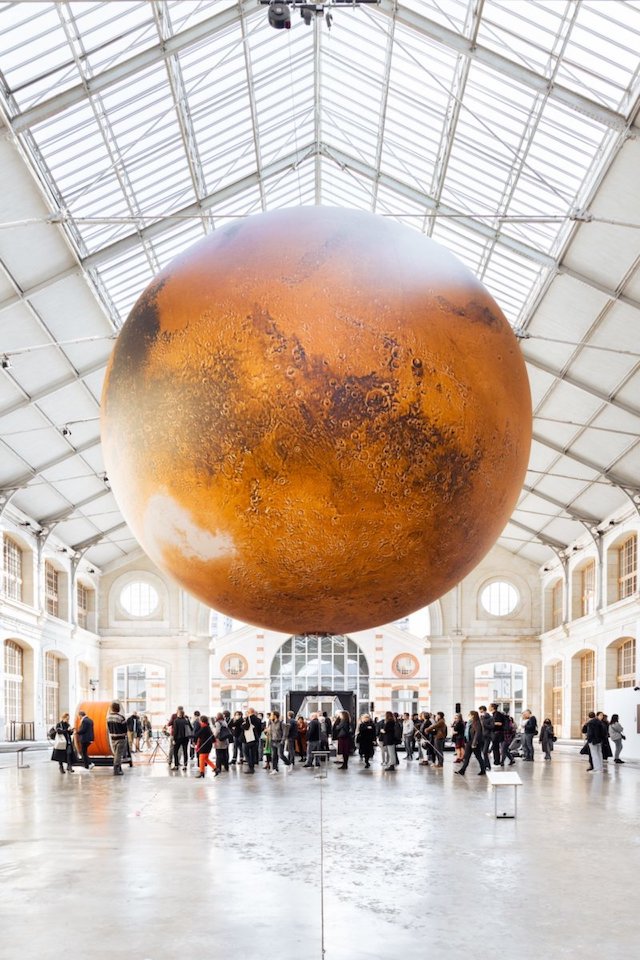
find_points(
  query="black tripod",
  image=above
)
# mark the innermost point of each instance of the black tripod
(158, 747)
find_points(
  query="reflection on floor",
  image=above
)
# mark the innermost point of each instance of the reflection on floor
(156, 865)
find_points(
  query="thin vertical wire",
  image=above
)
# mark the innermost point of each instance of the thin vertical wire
(322, 947)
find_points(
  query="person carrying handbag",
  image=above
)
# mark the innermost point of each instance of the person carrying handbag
(62, 746)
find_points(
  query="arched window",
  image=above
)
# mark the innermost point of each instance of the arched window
(626, 672)
(628, 567)
(51, 688)
(51, 589)
(556, 695)
(587, 683)
(12, 559)
(556, 603)
(588, 588)
(13, 681)
(319, 662)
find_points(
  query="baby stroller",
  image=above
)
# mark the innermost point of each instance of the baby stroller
(515, 746)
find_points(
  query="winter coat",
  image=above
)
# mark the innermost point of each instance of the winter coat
(66, 755)
(546, 736)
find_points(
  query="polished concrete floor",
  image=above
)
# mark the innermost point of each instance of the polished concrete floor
(158, 866)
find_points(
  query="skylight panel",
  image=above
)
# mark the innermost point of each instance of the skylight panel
(527, 33)
(601, 56)
(112, 33)
(452, 13)
(44, 65)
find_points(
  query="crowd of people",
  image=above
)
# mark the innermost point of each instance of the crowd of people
(252, 739)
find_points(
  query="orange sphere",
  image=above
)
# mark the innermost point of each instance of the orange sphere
(316, 420)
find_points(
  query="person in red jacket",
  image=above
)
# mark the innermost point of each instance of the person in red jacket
(204, 745)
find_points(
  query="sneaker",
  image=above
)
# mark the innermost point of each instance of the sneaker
(273, 773)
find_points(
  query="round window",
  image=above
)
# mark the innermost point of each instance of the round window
(234, 665)
(499, 598)
(139, 599)
(405, 665)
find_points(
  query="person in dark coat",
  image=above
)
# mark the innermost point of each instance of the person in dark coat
(342, 733)
(313, 740)
(251, 731)
(182, 731)
(64, 754)
(546, 738)
(85, 737)
(473, 735)
(390, 740)
(366, 739)
(235, 725)
(607, 752)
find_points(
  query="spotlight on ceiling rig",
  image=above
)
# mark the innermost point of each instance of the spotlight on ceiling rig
(279, 15)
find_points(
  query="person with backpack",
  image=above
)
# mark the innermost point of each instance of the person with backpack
(222, 738)
(204, 746)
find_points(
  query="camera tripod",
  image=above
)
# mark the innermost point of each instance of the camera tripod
(158, 747)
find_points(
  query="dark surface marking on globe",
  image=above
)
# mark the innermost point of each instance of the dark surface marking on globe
(136, 339)
(473, 311)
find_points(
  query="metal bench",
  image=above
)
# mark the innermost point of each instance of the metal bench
(21, 749)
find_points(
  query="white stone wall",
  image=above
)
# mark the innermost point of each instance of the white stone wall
(28, 624)
(457, 636)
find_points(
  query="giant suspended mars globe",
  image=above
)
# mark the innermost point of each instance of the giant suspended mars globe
(316, 420)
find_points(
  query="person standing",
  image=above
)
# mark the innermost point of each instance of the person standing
(204, 746)
(62, 747)
(182, 732)
(497, 735)
(616, 732)
(439, 731)
(408, 735)
(131, 730)
(342, 732)
(390, 740)
(313, 740)
(595, 735)
(607, 752)
(366, 738)
(275, 732)
(458, 737)
(301, 738)
(487, 733)
(529, 730)
(194, 726)
(546, 737)
(117, 727)
(223, 738)
(473, 735)
(291, 733)
(235, 725)
(251, 731)
(147, 732)
(508, 735)
(85, 737)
